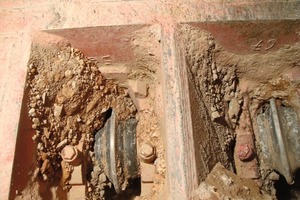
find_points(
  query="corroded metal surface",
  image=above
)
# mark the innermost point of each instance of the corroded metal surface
(115, 150)
(279, 139)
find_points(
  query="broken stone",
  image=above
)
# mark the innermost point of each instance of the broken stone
(34, 137)
(36, 121)
(45, 166)
(102, 193)
(44, 96)
(40, 146)
(274, 176)
(215, 115)
(57, 110)
(213, 66)
(212, 108)
(234, 108)
(68, 73)
(45, 177)
(119, 73)
(160, 166)
(228, 181)
(102, 178)
(215, 77)
(32, 112)
(62, 144)
(231, 186)
(46, 132)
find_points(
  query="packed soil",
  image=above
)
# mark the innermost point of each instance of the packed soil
(68, 101)
(223, 85)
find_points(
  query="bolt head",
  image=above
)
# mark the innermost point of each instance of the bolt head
(147, 153)
(69, 153)
(244, 152)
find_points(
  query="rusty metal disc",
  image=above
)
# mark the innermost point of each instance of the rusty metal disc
(116, 151)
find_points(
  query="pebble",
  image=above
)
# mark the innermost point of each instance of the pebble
(45, 177)
(274, 176)
(40, 146)
(102, 178)
(160, 166)
(34, 137)
(36, 121)
(102, 193)
(215, 77)
(46, 132)
(227, 97)
(226, 78)
(44, 96)
(45, 165)
(34, 126)
(32, 112)
(57, 110)
(213, 65)
(234, 108)
(68, 73)
(228, 181)
(62, 144)
(215, 115)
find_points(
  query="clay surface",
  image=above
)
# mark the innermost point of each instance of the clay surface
(68, 103)
(220, 83)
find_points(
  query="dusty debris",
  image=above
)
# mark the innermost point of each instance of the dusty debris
(223, 184)
(219, 81)
(68, 98)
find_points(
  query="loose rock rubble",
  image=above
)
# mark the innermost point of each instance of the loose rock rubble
(223, 184)
(68, 100)
(216, 96)
(220, 83)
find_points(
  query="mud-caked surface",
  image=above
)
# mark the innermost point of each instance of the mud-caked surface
(147, 70)
(223, 184)
(68, 101)
(212, 85)
(223, 85)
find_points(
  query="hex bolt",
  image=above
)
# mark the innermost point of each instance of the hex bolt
(70, 155)
(147, 153)
(244, 152)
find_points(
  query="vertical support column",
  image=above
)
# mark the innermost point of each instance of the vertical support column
(181, 168)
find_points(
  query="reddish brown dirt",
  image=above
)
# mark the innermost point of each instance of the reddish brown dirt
(220, 81)
(146, 69)
(68, 100)
(223, 184)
